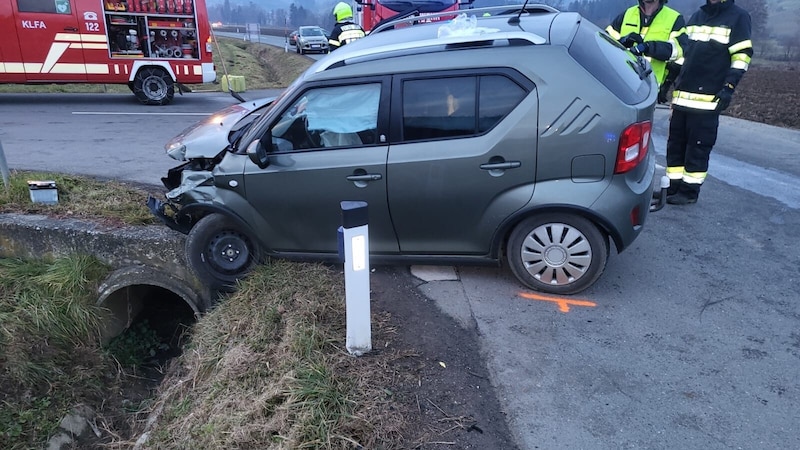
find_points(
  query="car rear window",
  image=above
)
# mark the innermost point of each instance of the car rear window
(617, 70)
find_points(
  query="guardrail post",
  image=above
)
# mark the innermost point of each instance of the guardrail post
(354, 246)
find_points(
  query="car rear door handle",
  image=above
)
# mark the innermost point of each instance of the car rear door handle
(501, 166)
(70, 29)
(365, 177)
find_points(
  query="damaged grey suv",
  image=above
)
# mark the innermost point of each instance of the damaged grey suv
(520, 138)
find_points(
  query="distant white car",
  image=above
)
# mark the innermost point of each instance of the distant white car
(311, 39)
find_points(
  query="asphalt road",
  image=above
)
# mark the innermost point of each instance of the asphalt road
(690, 340)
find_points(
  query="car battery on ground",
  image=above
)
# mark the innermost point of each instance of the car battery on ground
(43, 192)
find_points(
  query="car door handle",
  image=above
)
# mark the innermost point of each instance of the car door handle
(501, 166)
(70, 29)
(365, 177)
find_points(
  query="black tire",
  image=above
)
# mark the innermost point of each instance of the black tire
(219, 252)
(153, 86)
(557, 253)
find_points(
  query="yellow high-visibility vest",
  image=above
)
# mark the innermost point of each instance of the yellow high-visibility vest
(659, 30)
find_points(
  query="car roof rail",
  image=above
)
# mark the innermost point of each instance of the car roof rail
(410, 17)
(430, 46)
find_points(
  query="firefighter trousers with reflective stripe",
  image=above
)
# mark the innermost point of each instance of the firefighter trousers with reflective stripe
(692, 135)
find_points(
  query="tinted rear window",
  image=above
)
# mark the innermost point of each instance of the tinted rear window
(614, 68)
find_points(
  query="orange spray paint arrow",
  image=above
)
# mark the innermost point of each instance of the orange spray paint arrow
(563, 303)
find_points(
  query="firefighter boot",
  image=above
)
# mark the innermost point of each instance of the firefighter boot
(674, 186)
(687, 193)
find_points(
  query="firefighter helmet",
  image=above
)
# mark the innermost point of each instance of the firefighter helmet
(342, 11)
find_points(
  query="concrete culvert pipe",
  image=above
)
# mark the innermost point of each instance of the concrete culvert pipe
(132, 291)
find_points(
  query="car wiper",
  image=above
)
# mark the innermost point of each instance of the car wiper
(641, 67)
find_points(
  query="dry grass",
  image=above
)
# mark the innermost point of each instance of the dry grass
(263, 66)
(79, 197)
(50, 358)
(267, 369)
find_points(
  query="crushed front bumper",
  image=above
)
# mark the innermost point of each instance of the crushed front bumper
(177, 222)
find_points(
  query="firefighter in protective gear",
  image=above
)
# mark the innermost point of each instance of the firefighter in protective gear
(655, 31)
(345, 30)
(715, 59)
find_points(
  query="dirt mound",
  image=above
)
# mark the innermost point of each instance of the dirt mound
(768, 95)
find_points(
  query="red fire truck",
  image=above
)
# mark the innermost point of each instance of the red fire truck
(375, 11)
(150, 45)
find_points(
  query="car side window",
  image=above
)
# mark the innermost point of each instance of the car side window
(45, 6)
(336, 116)
(498, 96)
(456, 106)
(438, 108)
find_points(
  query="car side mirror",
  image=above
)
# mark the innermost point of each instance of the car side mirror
(257, 153)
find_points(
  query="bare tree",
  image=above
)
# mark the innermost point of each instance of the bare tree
(759, 14)
(790, 43)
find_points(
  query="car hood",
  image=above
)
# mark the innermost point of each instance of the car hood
(314, 39)
(208, 137)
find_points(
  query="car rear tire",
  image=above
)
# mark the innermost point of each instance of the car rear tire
(557, 253)
(153, 86)
(219, 252)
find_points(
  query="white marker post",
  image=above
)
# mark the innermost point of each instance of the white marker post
(354, 238)
(4, 167)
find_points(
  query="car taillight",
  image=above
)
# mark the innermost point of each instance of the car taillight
(633, 145)
(209, 46)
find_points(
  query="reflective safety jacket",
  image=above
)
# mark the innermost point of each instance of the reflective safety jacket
(343, 33)
(665, 35)
(717, 55)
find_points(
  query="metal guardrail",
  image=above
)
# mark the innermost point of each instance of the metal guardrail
(267, 31)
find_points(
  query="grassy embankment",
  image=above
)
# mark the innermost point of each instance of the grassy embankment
(265, 369)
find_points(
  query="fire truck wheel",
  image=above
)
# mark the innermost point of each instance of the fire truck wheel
(153, 86)
(219, 252)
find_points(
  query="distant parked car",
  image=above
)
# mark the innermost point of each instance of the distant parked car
(311, 39)
(293, 37)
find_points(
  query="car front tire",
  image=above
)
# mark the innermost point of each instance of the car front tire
(557, 253)
(219, 252)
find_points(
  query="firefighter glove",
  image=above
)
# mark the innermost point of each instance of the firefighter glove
(640, 49)
(630, 40)
(723, 97)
